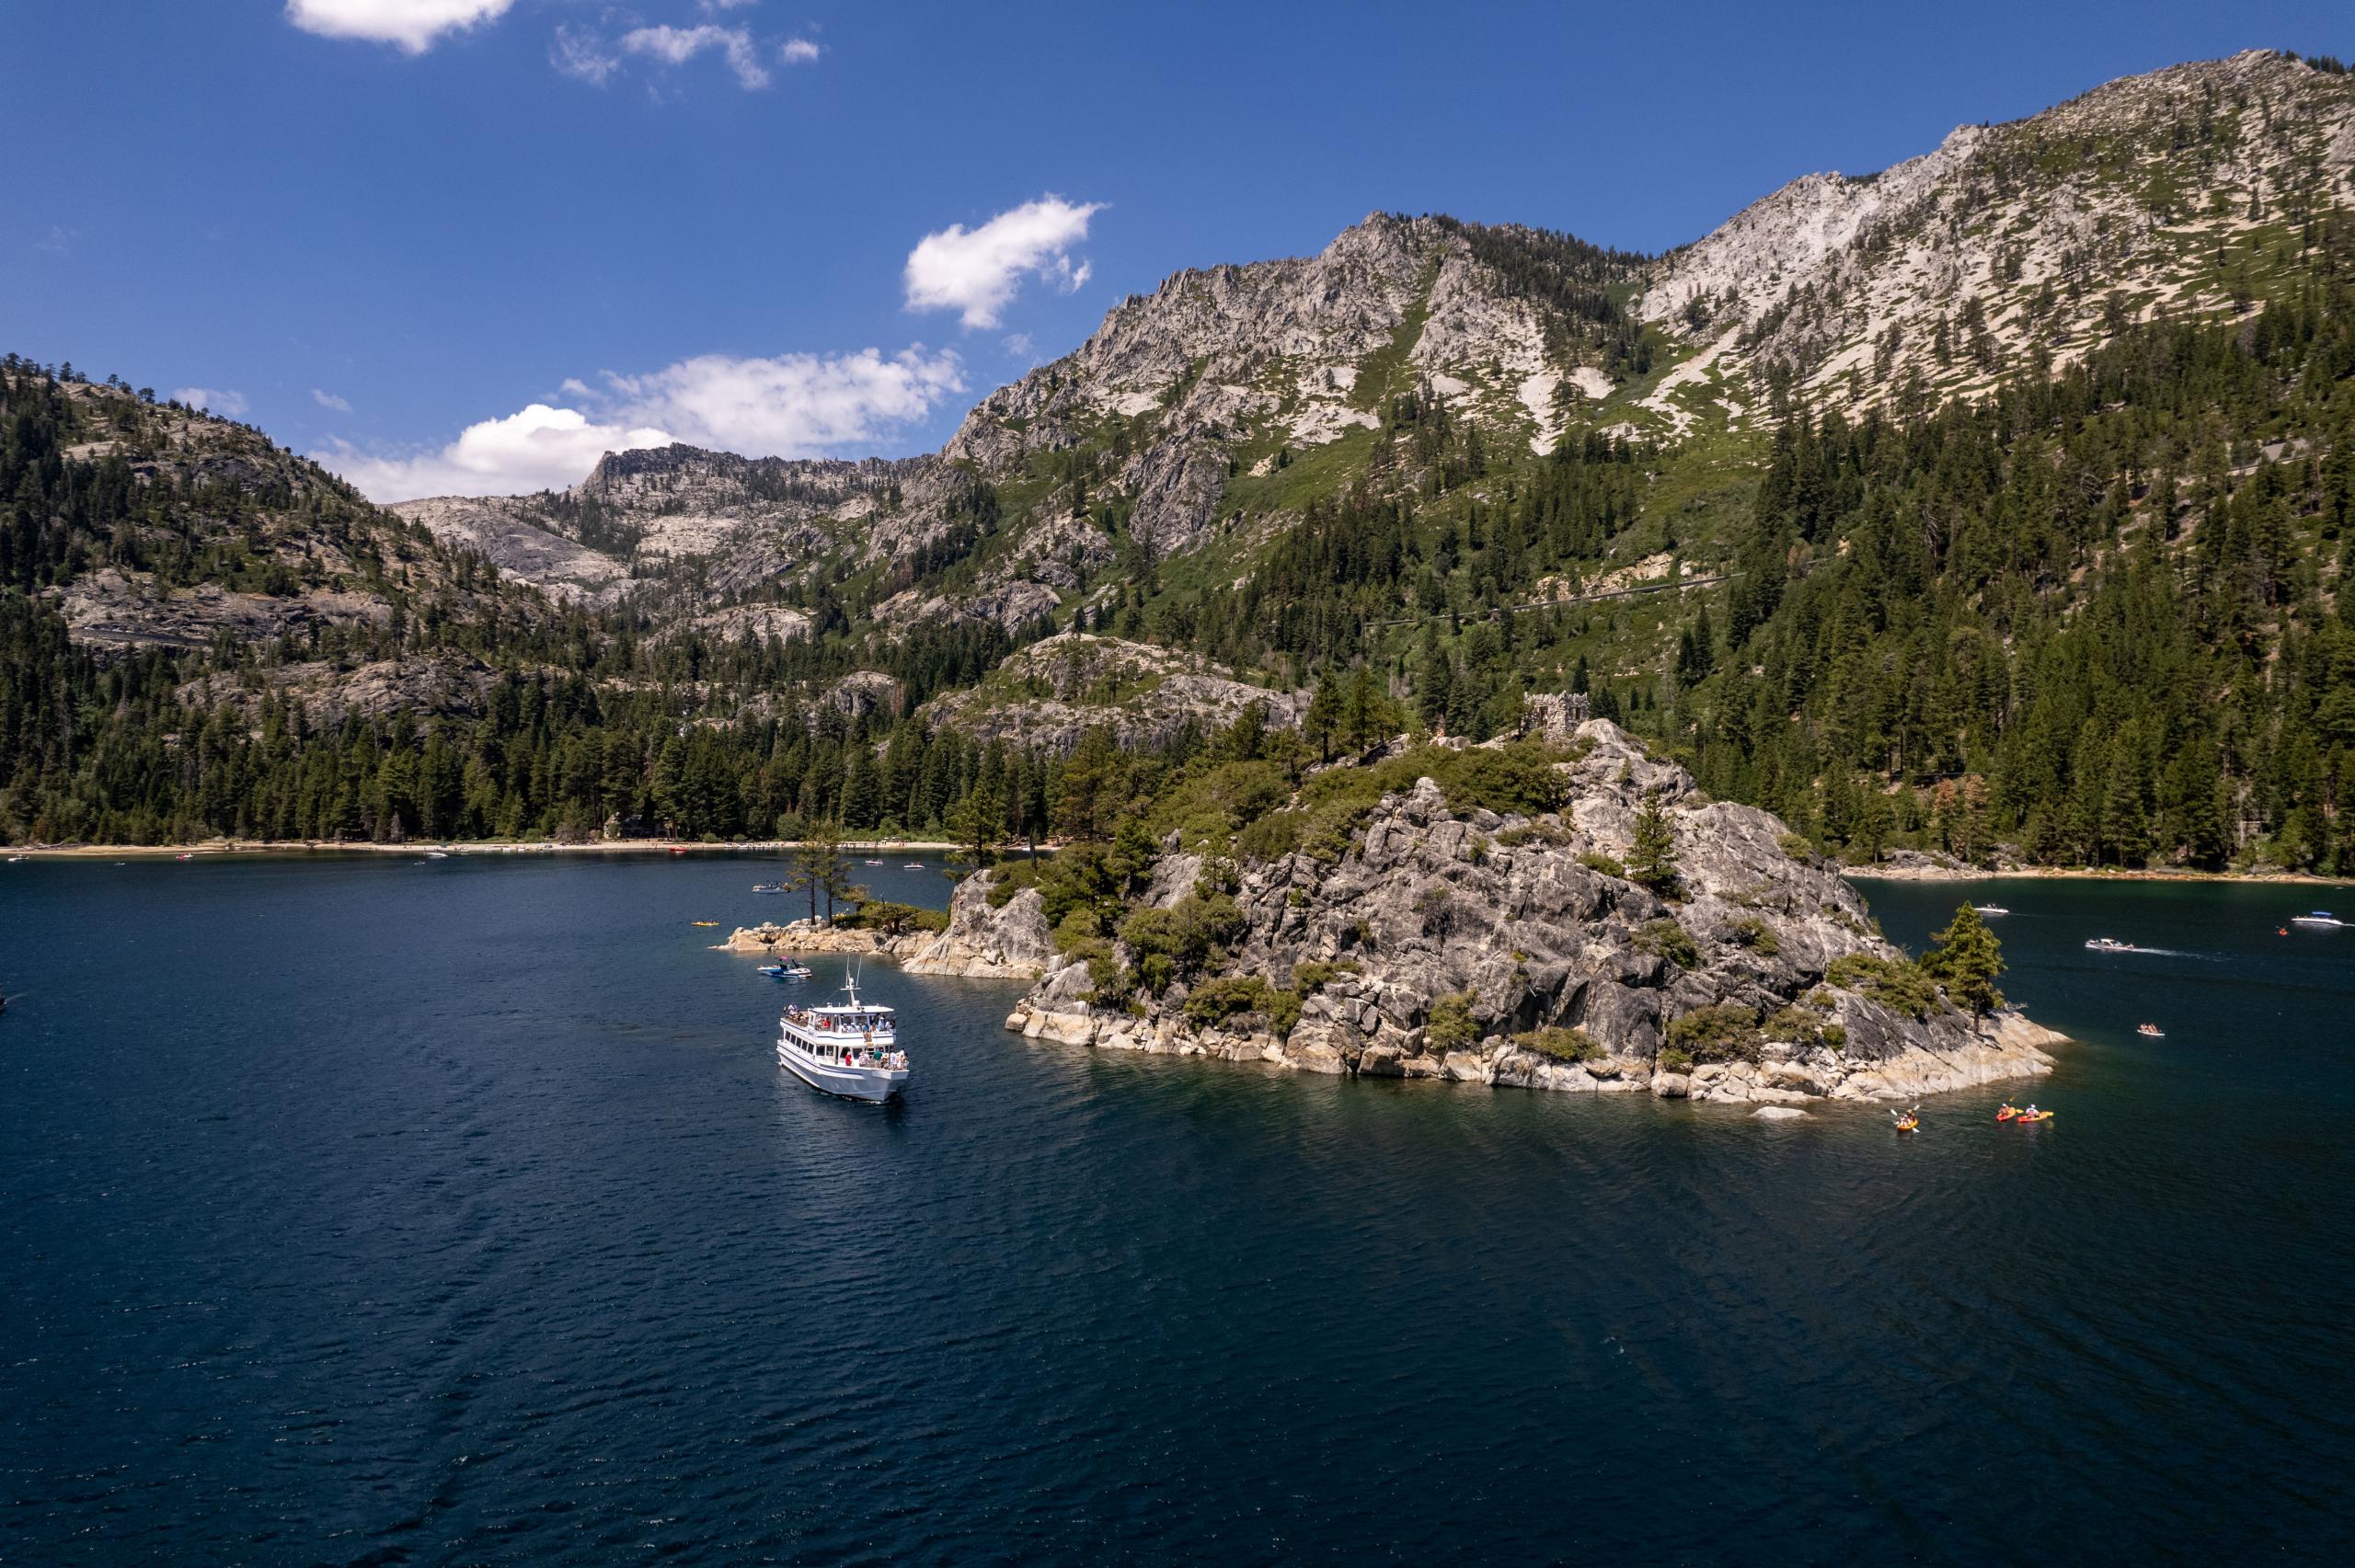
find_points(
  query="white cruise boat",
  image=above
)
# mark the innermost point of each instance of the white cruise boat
(851, 1049)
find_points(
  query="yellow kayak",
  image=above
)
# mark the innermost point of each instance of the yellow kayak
(702, 922)
(2040, 1117)
(1907, 1124)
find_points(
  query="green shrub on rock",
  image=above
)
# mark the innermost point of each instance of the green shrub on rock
(1899, 986)
(1214, 1002)
(1665, 939)
(1559, 1044)
(1727, 1032)
(1451, 1026)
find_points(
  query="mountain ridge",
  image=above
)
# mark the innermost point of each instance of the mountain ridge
(1428, 481)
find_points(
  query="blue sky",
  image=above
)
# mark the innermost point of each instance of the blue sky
(370, 225)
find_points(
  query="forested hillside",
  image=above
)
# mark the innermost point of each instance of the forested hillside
(2073, 598)
(279, 659)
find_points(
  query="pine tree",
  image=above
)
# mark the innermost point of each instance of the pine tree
(1653, 861)
(1966, 960)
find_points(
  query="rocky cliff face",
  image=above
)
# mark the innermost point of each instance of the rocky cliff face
(1727, 992)
(1046, 696)
(1176, 394)
(1169, 429)
(256, 543)
(710, 524)
(2043, 236)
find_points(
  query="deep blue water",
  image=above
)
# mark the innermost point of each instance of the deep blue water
(373, 1211)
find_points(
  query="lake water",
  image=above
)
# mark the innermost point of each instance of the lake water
(376, 1211)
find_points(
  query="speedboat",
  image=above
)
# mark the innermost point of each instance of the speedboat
(784, 969)
(2109, 944)
(2151, 1031)
(912, 865)
(850, 1049)
(2318, 917)
(768, 886)
(874, 863)
(1989, 910)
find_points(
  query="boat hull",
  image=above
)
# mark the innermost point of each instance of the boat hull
(872, 1084)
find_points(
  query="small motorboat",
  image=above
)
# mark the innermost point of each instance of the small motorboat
(1989, 910)
(768, 886)
(2151, 1031)
(2316, 917)
(678, 849)
(912, 865)
(2109, 944)
(784, 969)
(702, 922)
(874, 863)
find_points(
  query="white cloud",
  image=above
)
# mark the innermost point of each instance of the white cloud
(213, 400)
(676, 46)
(538, 448)
(413, 25)
(59, 240)
(581, 56)
(710, 6)
(329, 400)
(790, 406)
(798, 51)
(794, 405)
(977, 272)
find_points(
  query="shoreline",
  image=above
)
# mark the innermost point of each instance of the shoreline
(205, 849)
(220, 847)
(2088, 874)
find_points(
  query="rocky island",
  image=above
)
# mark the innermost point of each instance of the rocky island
(1446, 940)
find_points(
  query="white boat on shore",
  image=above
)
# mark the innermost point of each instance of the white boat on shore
(850, 1049)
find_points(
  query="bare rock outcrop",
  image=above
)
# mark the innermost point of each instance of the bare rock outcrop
(1047, 695)
(1008, 942)
(982, 941)
(1553, 971)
